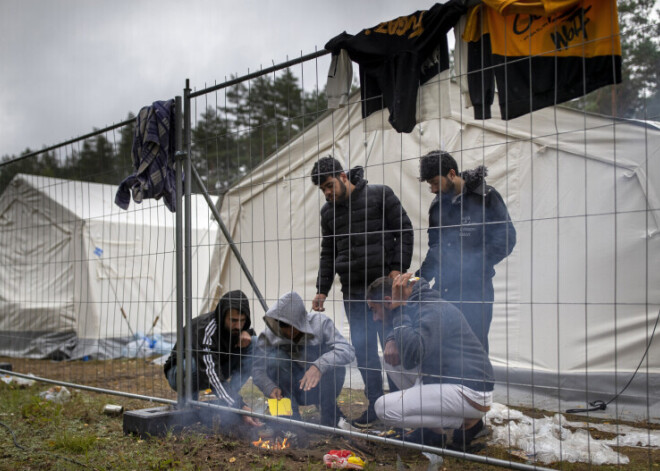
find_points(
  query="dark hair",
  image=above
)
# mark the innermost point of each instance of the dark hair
(324, 168)
(379, 288)
(436, 163)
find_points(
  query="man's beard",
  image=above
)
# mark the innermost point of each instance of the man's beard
(451, 186)
(341, 196)
(233, 336)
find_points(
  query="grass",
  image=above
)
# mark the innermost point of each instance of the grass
(74, 442)
(77, 435)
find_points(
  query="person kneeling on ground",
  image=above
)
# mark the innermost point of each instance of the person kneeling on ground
(222, 353)
(302, 356)
(455, 384)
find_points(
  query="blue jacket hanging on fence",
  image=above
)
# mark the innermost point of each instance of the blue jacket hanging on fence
(153, 158)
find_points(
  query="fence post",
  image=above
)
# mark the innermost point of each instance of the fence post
(188, 251)
(179, 154)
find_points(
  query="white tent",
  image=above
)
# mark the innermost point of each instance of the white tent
(73, 262)
(577, 300)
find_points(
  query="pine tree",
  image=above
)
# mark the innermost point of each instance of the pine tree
(95, 160)
(638, 95)
(213, 150)
(123, 161)
(259, 117)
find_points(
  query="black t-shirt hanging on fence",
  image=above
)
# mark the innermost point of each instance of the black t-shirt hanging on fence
(392, 58)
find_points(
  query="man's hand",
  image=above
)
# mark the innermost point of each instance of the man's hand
(401, 289)
(311, 378)
(317, 303)
(245, 339)
(394, 273)
(391, 353)
(276, 393)
(253, 421)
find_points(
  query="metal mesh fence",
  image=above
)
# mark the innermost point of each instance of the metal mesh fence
(540, 250)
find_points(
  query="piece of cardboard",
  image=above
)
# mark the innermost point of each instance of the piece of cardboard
(280, 407)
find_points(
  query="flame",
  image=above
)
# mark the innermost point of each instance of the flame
(276, 445)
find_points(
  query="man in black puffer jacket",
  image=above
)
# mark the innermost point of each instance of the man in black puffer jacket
(222, 353)
(366, 234)
(470, 232)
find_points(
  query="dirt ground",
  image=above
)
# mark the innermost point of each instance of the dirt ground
(144, 378)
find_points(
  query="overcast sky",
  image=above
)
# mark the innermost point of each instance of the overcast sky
(67, 66)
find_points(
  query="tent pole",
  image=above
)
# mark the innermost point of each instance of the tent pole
(232, 244)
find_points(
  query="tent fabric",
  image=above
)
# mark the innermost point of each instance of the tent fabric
(73, 262)
(576, 301)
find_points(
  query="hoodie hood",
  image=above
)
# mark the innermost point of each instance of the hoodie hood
(475, 179)
(291, 310)
(422, 286)
(356, 175)
(233, 300)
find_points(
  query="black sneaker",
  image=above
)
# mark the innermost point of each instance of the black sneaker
(367, 419)
(462, 439)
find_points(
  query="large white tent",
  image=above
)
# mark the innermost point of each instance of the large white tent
(80, 277)
(577, 300)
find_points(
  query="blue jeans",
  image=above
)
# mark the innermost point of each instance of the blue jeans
(237, 377)
(287, 374)
(365, 332)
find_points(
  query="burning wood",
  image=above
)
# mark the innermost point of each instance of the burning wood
(276, 445)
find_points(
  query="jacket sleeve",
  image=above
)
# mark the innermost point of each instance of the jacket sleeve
(409, 339)
(481, 78)
(500, 233)
(431, 264)
(327, 259)
(259, 372)
(397, 221)
(208, 365)
(218, 383)
(340, 353)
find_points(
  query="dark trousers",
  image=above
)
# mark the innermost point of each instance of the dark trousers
(365, 333)
(476, 304)
(287, 375)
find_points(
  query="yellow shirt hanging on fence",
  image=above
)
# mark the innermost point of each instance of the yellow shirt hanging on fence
(574, 47)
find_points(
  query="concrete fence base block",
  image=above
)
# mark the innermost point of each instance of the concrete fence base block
(158, 421)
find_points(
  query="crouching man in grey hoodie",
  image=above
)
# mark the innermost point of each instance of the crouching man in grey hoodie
(302, 356)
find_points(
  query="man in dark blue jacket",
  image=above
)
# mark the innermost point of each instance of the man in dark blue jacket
(470, 232)
(455, 377)
(366, 234)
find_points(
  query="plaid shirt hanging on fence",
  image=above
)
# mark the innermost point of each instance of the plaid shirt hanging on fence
(153, 159)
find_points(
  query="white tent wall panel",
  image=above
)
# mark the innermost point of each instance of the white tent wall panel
(578, 188)
(74, 260)
(142, 273)
(26, 259)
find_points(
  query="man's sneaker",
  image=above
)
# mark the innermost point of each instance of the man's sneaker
(343, 424)
(333, 419)
(462, 439)
(367, 419)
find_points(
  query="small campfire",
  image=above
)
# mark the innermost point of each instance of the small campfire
(275, 445)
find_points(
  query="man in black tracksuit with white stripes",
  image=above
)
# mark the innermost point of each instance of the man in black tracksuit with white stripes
(222, 352)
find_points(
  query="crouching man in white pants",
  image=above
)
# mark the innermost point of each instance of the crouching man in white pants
(455, 382)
